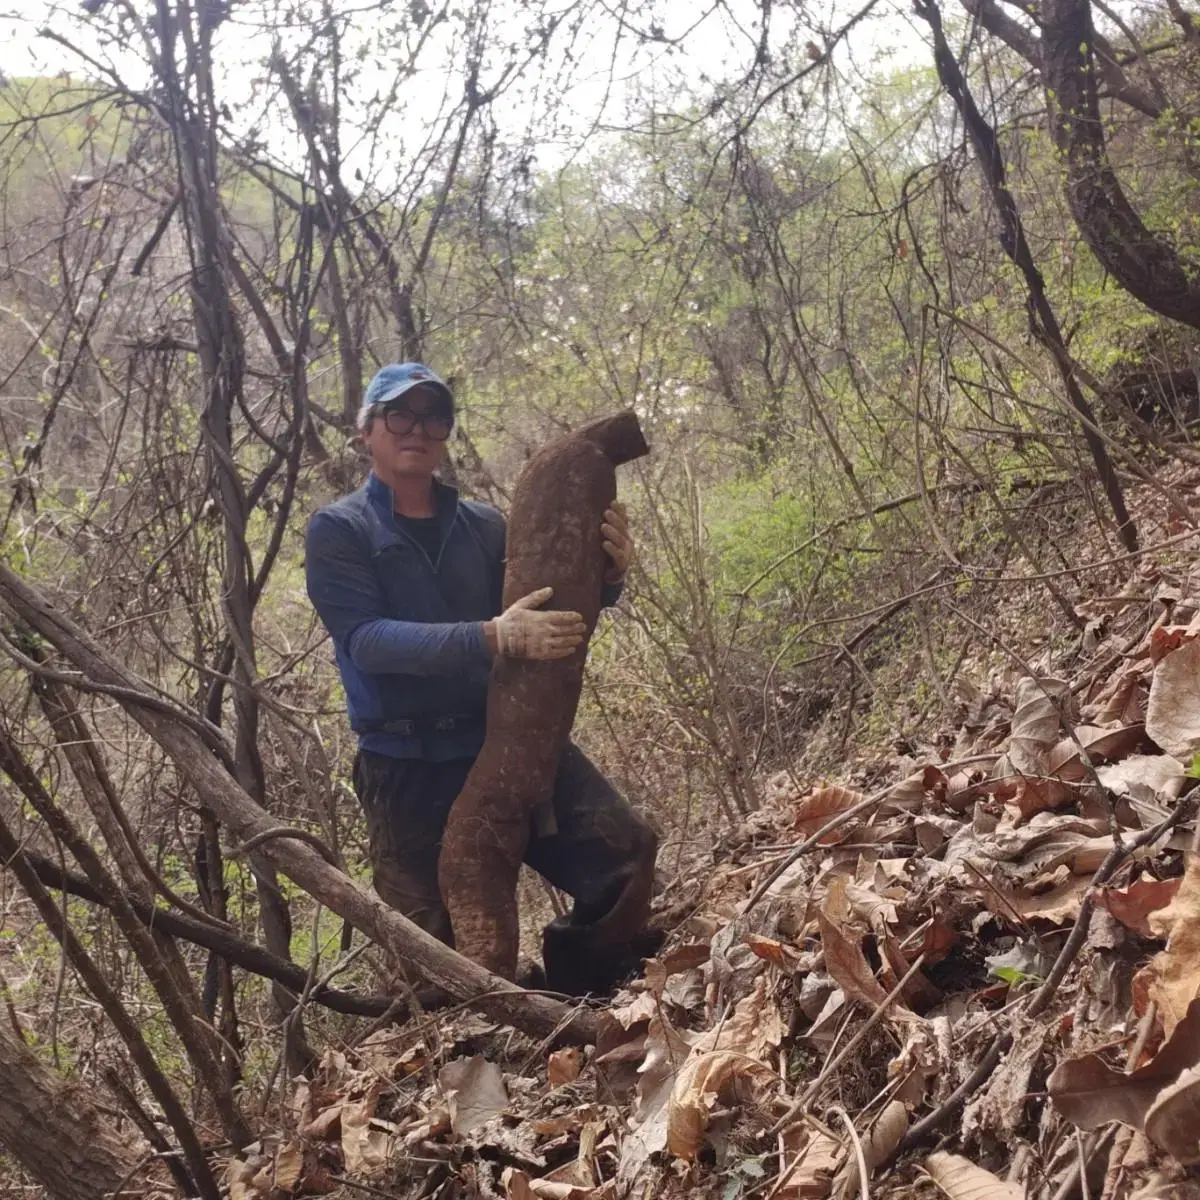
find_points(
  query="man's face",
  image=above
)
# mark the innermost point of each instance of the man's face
(413, 452)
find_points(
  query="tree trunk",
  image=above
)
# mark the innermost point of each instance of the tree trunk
(553, 541)
(1043, 320)
(220, 344)
(1145, 264)
(50, 1127)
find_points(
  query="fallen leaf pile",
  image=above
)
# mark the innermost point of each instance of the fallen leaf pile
(814, 1029)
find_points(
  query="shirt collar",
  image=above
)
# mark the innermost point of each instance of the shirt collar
(445, 497)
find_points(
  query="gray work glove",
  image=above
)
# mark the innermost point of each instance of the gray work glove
(522, 631)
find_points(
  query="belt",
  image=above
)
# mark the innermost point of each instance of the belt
(422, 726)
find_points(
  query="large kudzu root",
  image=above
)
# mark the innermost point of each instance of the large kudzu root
(553, 541)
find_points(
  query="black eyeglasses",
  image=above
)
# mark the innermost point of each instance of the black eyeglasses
(401, 421)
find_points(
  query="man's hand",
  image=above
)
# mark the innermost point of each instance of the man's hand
(617, 542)
(521, 631)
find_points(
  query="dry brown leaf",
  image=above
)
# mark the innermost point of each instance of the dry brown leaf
(834, 903)
(681, 958)
(958, 790)
(241, 1177)
(717, 1074)
(810, 1174)
(413, 1059)
(1176, 971)
(1122, 701)
(1134, 1162)
(1066, 763)
(1173, 711)
(618, 1053)
(919, 993)
(1173, 1120)
(1133, 905)
(627, 1047)
(815, 809)
(845, 961)
(920, 787)
(1032, 795)
(1035, 727)
(772, 951)
(667, 1048)
(961, 1179)
(684, 1074)
(326, 1124)
(390, 1052)
(364, 1150)
(474, 1089)
(1090, 1093)
(519, 1186)
(643, 1007)
(435, 1124)
(563, 1066)
(1060, 905)
(516, 1184)
(581, 1172)
(686, 991)
(1021, 775)
(1144, 777)
(755, 1026)
(1166, 639)
(878, 1143)
(940, 938)
(552, 1189)
(289, 1166)
(686, 956)
(877, 911)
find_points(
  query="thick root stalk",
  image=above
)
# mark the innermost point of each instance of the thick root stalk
(553, 541)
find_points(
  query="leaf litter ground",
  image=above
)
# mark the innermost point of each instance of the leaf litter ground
(977, 978)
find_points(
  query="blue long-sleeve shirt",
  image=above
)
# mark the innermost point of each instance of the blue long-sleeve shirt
(407, 629)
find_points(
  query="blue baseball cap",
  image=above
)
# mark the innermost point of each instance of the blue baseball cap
(392, 381)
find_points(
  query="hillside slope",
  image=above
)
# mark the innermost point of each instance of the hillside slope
(938, 965)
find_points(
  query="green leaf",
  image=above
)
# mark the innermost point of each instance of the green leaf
(1010, 974)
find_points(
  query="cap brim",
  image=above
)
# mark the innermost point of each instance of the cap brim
(401, 388)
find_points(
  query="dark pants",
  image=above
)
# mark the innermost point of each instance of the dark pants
(601, 854)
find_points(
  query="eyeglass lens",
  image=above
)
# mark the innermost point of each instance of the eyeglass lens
(401, 421)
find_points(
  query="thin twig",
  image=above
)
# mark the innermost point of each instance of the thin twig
(957, 1098)
(835, 822)
(860, 1033)
(864, 1188)
(288, 831)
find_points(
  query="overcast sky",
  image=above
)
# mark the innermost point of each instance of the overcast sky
(598, 79)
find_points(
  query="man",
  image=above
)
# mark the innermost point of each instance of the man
(408, 578)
